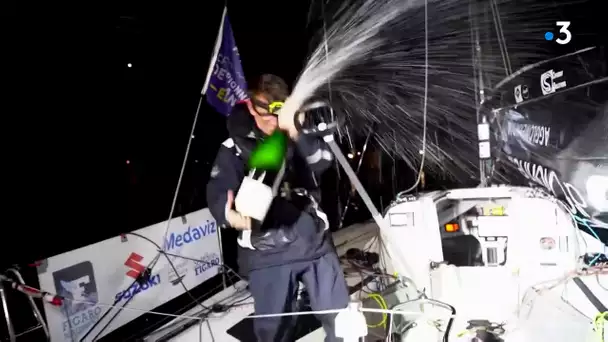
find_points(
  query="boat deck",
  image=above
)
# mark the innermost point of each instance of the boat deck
(233, 325)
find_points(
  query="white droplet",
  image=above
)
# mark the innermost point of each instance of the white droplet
(597, 192)
(129, 65)
(350, 156)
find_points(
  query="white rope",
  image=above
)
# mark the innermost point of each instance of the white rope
(133, 309)
(248, 304)
(326, 48)
(426, 95)
(501, 38)
(335, 311)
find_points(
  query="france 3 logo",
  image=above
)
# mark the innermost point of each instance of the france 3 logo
(564, 37)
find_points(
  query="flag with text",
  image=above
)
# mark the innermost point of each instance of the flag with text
(225, 84)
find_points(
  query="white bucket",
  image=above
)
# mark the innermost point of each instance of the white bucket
(254, 197)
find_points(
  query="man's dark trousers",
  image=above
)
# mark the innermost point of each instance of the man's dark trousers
(274, 290)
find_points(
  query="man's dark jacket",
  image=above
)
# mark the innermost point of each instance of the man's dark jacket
(295, 229)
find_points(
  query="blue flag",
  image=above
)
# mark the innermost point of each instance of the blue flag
(225, 84)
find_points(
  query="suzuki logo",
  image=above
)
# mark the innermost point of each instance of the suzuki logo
(548, 84)
(133, 263)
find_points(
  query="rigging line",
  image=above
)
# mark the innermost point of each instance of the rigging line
(222, 266)
(105, 314)
(326, 48)
(222, 302)
(331, 109)
(350, 196)
(130, 298)
(426, 95)
(116, 306)
(186, 258)
(174, 269)
(181, 281)
(309, 14)
(472, 22)
(569, 90)
(136, 310)
(495, 20)
(171, 212)
(335, 311)
(537, 64)
(501, 37)
(381, 243)
(181, 173)
(171, 329)
(196, 300)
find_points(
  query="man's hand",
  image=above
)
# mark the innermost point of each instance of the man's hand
(234, 218)
(287, 122)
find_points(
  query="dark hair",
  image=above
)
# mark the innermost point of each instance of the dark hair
(271, 87)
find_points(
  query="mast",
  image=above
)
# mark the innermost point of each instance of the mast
(479, 86)
(481, 81)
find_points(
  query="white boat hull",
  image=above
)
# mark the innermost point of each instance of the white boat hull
(500, 292)
(356, 236)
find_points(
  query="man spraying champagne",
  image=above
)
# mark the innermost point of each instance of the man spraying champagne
(293, 243)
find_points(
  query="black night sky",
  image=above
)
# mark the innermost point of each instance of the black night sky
(80, 113)
(76, 113)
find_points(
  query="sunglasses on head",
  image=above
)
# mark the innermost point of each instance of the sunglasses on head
(273, 108)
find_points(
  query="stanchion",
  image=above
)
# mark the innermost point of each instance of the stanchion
(7, 317)
(222, 266)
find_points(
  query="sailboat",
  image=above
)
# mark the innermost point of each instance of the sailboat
(494, 262)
